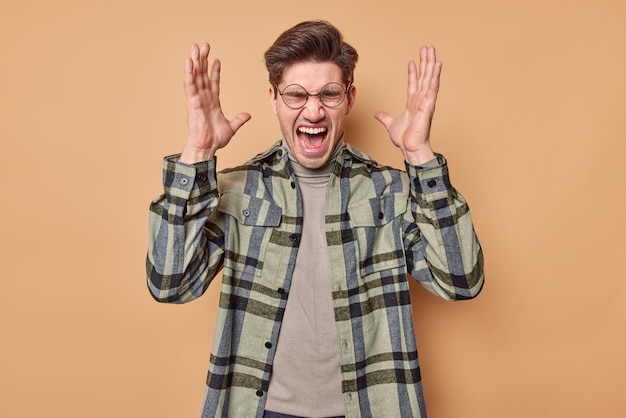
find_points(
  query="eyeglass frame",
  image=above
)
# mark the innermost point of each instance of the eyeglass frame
(345, 94)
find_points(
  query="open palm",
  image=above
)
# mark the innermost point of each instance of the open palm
(208, 128)
(411, 130)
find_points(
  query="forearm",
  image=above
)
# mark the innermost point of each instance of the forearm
(443, 250)
(185, 252)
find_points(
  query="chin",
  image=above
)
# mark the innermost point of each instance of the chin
(312, 163)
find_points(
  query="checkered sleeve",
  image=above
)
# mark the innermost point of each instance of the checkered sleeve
(443, 251)
(185, 251)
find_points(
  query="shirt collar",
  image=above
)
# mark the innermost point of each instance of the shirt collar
(346, 151)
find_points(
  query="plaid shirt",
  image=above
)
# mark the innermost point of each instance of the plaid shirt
(382, 224)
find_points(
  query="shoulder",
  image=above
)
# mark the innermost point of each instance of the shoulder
(366, 173)
(360, 158)
(239, 178)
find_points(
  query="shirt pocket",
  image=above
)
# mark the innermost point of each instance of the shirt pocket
(249, 223)
(377, 226)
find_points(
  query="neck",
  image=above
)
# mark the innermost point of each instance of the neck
(324, 171)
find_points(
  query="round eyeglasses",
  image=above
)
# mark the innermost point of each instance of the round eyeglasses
(331, 95)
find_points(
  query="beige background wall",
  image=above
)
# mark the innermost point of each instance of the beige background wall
(530, 116)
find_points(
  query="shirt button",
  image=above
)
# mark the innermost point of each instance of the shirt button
(268, 345)
(432, 183)
(293, 237)
(259, 393)
(281, 291)
(293, 185)
(246, 212)
(202, 178)
(381, 215)
(184, 181)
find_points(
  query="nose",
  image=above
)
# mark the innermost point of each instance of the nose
(313, 108)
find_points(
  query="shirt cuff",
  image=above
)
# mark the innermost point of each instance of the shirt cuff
(431, 181)
(188, 180)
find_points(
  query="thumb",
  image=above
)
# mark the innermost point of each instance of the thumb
(239, 120)
(384, 118)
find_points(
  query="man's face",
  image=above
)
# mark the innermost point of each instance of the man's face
(313, 131)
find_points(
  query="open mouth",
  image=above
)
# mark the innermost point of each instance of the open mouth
(312, 139)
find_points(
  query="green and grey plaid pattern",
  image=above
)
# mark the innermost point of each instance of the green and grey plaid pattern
(382, 224)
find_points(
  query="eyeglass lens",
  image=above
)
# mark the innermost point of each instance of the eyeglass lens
(296, 96)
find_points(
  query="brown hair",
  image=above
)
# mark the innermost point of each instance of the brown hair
(314, 40)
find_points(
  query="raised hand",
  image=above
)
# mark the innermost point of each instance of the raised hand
(411, 130)
(208, 128)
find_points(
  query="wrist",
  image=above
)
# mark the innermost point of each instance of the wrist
(192, 155)
(419, 157)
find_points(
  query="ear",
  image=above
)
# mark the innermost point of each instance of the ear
(351, 98)
(273, 99)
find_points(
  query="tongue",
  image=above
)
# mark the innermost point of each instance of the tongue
(313, 142)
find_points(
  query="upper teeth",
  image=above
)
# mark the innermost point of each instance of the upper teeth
(312, 131)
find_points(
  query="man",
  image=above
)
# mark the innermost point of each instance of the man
(316, 240)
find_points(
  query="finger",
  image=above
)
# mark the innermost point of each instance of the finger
(434, 84)
(196, 65)
(239, 120)
(413, 81)
(384, 118)
(429, 64)
(215, 76)
(195, 56)
(433, 53)
(204, 65)
(190, 87)
(422, 67)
